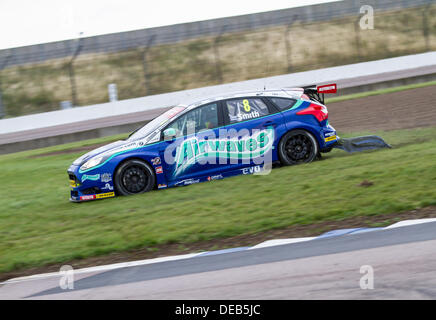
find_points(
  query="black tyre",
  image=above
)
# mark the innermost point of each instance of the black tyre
(297, 146)
(134, 176)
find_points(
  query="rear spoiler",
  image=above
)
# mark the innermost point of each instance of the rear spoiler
(316, 93)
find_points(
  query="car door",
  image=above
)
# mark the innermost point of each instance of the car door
(186, 156)
(257, 125)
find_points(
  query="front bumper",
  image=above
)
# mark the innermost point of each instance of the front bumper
(89, 186)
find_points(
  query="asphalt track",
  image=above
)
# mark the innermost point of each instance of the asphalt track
(403, 260)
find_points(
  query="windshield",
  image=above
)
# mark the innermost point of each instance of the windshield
(156, 123)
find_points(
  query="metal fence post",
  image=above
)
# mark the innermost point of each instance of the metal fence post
(218, 71)
(2, 107)
(358, 40)
(2, 110)
(425, 28)
(144, 62)
(71, 71)
(288, 45)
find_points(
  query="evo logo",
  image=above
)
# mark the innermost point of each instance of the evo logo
(252, 170)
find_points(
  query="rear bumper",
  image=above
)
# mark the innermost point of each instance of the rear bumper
(328, 136)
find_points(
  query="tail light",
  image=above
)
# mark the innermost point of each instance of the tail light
(316, 110)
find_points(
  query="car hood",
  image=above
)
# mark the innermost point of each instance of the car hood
(118, 146)
(111, 147)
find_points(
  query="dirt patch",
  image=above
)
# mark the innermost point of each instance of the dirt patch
(406, 109)
(231, 242)
(365, 183)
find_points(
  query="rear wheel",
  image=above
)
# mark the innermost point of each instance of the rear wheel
(298, 146)
(134, 176)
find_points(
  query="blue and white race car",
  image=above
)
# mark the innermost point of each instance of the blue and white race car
(208, 140)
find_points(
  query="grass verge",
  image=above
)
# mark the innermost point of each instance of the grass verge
(40, 226)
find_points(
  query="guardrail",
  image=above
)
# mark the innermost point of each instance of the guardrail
(56, 127)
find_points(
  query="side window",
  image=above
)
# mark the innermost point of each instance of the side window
(283, 103)
(245, 109)
(200, 119)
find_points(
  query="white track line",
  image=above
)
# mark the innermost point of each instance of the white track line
(406, 223)
(278, 242)
(104, 267)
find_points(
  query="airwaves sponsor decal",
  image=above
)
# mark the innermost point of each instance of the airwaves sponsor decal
(248, 147)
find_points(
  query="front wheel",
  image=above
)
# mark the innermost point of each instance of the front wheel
(134, 176)
(297, 146)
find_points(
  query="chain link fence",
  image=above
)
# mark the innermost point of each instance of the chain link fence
(152, 67)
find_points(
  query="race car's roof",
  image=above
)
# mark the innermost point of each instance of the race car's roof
(285, 93)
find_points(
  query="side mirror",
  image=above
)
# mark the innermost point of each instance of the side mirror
(169, 134)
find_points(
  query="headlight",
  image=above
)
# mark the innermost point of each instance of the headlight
(91, 163)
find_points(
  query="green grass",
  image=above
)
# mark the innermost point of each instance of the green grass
(379, 92)
(39, 225)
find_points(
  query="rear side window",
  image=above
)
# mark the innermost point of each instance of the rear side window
(245, 109)
(283, 103)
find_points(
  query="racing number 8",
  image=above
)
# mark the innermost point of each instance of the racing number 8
(246, 105)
